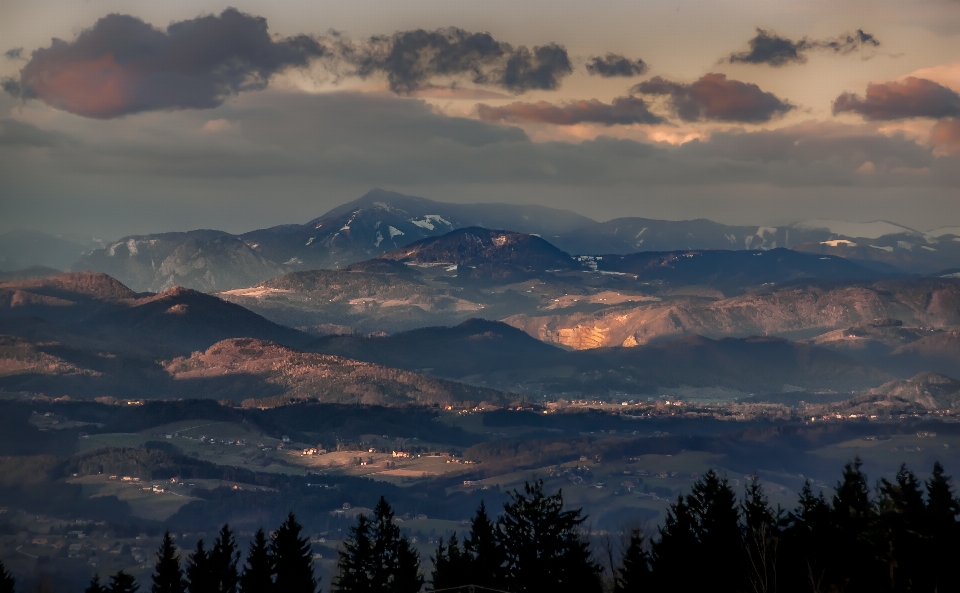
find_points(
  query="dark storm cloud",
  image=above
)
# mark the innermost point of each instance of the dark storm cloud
(911, 97)
(411, 59)
(123, 65)
(622, 111)
(769, 48)
(13, 53)
(613, 65)
(714, 97)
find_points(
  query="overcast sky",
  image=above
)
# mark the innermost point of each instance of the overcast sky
(132, 117)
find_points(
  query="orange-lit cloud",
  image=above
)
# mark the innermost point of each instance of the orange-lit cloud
(911, 97)
(946, 136)
(714, 97)
(622, 111)
(122, 65)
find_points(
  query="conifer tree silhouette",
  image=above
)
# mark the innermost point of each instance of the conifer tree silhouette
(704, 525)
(941, 525)
(94, 586)
(7, 582)
(541, 545)
(122, 583)
(634, 576)
(377, 557)
(199, 574)
(292, 559)
(257, 574)
(355, 564)
(168, 576)
(224, 558)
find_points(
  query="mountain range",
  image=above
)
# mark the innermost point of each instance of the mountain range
(381, 221)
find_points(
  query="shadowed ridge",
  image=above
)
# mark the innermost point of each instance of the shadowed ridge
(74, 285)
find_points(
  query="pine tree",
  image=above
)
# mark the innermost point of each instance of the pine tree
(633, 576)
(355, 565)
(199, 575)
(7, 582)
(95, 586)
(122, 583)
(257, 575)
(293, 559)
(223, 562)
(541, 545)
(168, 577)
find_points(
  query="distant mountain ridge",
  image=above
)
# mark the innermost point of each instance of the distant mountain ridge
(382, 221)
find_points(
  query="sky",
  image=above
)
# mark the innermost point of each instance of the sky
(130, 117)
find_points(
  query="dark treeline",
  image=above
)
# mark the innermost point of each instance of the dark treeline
(903, 537)
(900, 536)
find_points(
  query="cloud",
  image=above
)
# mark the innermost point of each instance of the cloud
(540, 69)
(13, 53)
(123, 65)
(613, 65)
(714, 97)
(622, 111)
(11, 86)
(769, 48)
(411, 60)
(910, 97)
(309, 152)
(945, 136)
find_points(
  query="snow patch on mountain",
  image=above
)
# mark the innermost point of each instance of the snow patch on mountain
(866, 230)
(429, 220)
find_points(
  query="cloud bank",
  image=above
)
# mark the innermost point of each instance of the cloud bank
(412, 59)
(614, 65)
(769, 48)
(908, 98)
(621, 111)
(714, 97)
(122, 65)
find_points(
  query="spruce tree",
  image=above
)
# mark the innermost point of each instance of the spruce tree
(901, 522)
(7, 582)
(853, 517)
(806, 553)
(396, 565)
(704, 525)
(482, 551)
(168, 577)
(943, 533)
(257, 574)
(634, 576)
(451, 565)
(761, 538)
(542, 547)
(199, 575)
(223, 562)
(122, 583)
(356, 560)
(292, 559)
(95, 586)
